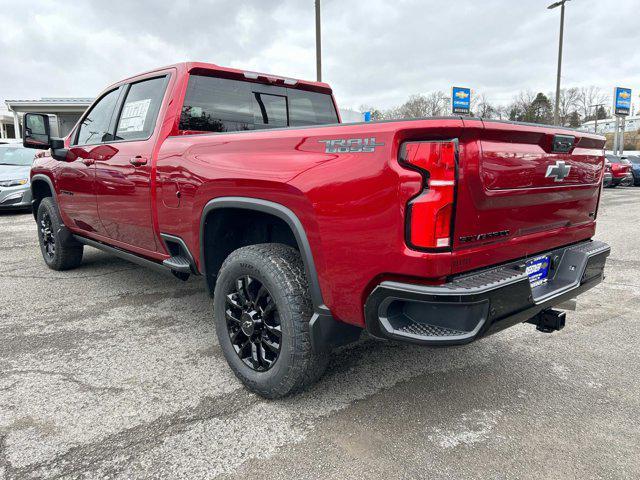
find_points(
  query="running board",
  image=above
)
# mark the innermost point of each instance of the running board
(178, 264)
(118, 252)
(181, 260)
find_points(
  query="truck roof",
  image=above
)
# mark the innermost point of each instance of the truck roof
(250, 75)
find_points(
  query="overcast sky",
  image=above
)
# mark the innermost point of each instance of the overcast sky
(375, 52)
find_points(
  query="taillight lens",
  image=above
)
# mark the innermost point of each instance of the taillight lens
(430, 214)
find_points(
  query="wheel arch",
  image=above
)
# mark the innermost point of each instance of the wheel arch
(326, 332)
(41, 187)
(276, 210)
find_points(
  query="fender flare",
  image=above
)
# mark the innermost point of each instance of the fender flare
(38, 177)
(65, 233)
(41, 177)
(325, 330)
(276, 210)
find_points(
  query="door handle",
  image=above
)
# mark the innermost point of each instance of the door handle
(138, 161)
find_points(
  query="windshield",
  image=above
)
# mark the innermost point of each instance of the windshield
(16, 156)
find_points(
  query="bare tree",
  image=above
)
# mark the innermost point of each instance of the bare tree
(527, 106)
(569, 102)
(502, 112)
(437, 104)
(589, 96)
(392, 114)
(416, 107)
(519, 106)
(419, 106)
(376, 114)
(484, 109)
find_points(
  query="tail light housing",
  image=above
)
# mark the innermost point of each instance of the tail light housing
(430, 213)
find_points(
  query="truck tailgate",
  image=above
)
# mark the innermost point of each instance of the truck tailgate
(516, 180)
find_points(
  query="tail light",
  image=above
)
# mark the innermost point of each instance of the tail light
(430, 214)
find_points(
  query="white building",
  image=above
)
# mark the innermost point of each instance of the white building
(7, 129)
(351, 116)
(63, 112)
(606, 125)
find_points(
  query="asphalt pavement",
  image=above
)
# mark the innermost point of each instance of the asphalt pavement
(114, 371)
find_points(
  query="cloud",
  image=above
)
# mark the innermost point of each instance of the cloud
(375, 52)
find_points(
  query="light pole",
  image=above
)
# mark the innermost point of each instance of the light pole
(560, 4)
(318, 43)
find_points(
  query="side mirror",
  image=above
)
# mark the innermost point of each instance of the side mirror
(36, 131)
(37, 135)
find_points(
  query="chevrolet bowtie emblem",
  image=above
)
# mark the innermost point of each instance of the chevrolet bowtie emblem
(559, 171)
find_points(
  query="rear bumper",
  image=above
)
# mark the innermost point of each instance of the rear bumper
(475, 305)
(626, 179)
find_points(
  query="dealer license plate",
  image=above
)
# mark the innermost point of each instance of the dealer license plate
(538, 271)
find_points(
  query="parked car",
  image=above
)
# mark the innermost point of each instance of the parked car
(433, 231)
(15, 188)
(635, 168)
(607, 177)
(620, 170)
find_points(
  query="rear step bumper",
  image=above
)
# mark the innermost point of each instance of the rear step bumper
(475, 305)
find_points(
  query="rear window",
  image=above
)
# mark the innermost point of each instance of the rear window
(221, 105)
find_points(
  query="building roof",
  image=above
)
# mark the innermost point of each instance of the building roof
(51, 101)
(50, 105)
(612, 119)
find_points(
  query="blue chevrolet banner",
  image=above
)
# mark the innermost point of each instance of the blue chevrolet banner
(622, 101)
(461, 100)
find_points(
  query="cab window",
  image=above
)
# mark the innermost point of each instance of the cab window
(94, 128)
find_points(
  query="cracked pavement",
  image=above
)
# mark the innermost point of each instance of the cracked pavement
(113, 371)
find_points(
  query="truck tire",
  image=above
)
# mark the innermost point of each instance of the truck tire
(59, 250)
(262, 309)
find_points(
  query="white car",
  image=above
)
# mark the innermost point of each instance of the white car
(15, 166)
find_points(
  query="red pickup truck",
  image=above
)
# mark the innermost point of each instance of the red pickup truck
(434, 231)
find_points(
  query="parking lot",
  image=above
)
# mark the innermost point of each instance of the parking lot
(114, 371)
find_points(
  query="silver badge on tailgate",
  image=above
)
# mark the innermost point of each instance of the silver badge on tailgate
(559, 171)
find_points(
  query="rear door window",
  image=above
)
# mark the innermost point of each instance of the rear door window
(216, 105)
(222, 105)
(140, 110)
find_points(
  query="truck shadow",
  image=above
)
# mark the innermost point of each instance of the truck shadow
(14, 213)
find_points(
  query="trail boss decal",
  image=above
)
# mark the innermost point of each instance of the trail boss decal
(351, 145)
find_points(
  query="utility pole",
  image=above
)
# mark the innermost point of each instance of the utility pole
(556, 116)
(318, 43)
(597, 105)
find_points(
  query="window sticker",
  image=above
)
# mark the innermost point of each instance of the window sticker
(134, 115)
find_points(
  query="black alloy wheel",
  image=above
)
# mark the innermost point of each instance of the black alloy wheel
(59, 249)
(48, 239)
(253, 324)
